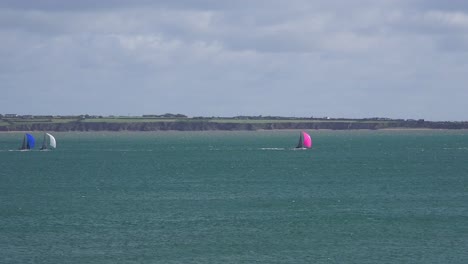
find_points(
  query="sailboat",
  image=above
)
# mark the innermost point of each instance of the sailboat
(28, 142)
(50, 139)
(305, 141)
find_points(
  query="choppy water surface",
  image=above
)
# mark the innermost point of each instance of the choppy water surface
(236, 197)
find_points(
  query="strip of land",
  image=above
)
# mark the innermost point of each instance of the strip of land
(184, 123)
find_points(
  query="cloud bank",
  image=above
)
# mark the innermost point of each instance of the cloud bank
(399, 59)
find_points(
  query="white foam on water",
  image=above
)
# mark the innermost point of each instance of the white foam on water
(272, 148)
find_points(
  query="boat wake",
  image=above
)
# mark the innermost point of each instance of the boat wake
(299, 149)
(272, 148)
(127, 150)
(284, 149)
(460, 148)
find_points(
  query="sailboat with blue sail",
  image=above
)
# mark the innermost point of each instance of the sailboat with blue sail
(28, 142)
(49, 141)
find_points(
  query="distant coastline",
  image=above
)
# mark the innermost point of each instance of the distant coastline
(180, 122)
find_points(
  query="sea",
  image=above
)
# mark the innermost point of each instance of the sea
(383, 196)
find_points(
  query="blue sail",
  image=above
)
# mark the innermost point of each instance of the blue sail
(31, 141)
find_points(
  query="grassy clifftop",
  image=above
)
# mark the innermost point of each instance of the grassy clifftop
(199, 124)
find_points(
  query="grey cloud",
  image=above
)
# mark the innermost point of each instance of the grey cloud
(236, 57)
(452, 5)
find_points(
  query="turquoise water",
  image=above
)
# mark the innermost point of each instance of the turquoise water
(236, 197)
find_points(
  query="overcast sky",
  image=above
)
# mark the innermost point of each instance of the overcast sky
(360, 58)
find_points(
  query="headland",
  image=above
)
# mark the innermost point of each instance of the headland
(181, 122)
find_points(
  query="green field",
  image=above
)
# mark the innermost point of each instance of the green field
(213, 120)
(130, 120)
(262, 121)
(36, 120)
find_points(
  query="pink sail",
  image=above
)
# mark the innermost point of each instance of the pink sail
(307, 140)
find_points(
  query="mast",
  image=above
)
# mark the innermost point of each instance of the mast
(299, 145)
(44, 142)
(24, 143)
(28, 143)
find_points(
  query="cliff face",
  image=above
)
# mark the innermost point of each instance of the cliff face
(211, 125)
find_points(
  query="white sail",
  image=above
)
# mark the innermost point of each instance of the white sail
(52, 141)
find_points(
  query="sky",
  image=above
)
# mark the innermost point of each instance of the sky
(355, 59)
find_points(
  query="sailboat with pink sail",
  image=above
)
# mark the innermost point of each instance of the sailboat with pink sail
(305, 141)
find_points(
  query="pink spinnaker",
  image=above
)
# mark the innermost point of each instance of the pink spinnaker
(307, 143)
